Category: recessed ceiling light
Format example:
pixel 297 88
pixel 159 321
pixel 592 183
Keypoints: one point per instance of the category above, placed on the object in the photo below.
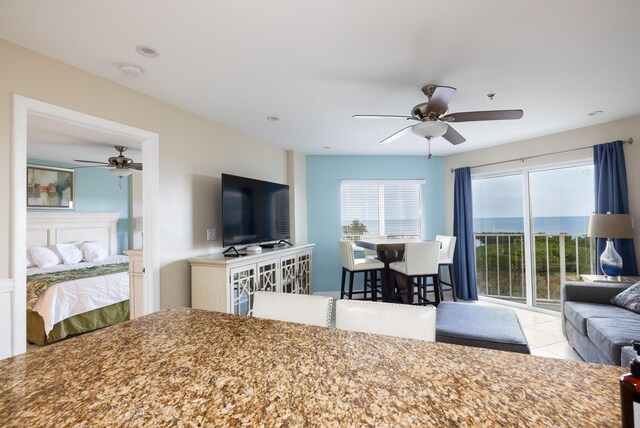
pixel 596 112
pixel 325 147
pixel 130 70
pixel 273 118
pixel 147 51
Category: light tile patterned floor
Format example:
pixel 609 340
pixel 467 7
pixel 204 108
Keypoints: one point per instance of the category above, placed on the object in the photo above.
pixel 544 334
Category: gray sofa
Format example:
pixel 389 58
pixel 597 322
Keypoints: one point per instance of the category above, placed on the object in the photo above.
pixel 598 330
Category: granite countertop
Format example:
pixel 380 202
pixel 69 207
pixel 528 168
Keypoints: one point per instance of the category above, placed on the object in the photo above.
pixel 188 367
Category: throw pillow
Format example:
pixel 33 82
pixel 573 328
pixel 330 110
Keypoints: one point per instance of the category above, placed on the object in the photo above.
pixel 629 298
pixel 94 252
pixel 30 262
pixel 70 253
pixel 44 257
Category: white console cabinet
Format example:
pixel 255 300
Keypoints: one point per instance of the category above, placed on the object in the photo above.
pixel 227 284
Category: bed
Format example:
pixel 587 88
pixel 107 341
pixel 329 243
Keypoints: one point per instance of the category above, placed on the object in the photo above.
pixel 69 299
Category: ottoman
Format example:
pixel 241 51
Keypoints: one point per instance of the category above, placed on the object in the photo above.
pixel 480 326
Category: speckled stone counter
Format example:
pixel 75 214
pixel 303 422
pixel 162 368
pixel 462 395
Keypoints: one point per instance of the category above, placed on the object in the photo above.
pixel 187 367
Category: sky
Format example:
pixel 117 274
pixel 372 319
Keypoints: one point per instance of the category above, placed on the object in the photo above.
pixel 553 193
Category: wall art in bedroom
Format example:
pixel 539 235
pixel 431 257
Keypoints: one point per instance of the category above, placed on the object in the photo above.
pixel 50 188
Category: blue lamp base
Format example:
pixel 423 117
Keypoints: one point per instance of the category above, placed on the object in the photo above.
pixel 610 261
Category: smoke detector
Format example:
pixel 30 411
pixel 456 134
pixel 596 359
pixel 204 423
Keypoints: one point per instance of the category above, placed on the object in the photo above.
pixel 130 70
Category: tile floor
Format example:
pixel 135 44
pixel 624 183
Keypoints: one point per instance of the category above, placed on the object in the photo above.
pixel 544 334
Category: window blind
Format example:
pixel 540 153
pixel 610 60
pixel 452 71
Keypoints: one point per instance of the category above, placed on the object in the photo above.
pixel 381 207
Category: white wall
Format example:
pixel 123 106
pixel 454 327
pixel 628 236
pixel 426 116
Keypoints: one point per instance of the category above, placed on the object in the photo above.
pixel 589 136
pixel 193 153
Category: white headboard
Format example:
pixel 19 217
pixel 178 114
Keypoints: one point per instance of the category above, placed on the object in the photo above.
pixel 50 228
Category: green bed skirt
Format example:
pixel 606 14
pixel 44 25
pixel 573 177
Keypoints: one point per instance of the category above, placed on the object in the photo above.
pixel 81 323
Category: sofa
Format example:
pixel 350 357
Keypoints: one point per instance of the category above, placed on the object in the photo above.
pixel 598 330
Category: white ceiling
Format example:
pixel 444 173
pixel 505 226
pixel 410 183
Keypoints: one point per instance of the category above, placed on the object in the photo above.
pixel 60 141
pixel 316 63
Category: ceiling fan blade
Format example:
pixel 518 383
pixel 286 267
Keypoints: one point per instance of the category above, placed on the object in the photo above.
pixel 88 161
pixel 136 166
pixel 475 116
pixel 440 99
pixel 453 136
pixel 397 135
pixel 382 116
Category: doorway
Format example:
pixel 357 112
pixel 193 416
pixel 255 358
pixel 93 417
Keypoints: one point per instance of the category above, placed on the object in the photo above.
pixel 530 231
pixel 22 108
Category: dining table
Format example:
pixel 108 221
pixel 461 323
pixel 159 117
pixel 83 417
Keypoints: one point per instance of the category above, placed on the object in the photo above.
pixel 191 367
pixel 389 250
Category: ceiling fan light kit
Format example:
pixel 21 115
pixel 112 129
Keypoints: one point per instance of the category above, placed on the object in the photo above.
pixel 433 117
pixel 121 172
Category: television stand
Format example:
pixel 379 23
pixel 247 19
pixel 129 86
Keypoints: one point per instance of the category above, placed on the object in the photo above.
pixel 279 244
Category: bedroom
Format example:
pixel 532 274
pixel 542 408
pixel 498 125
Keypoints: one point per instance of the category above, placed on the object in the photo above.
pixel 103 207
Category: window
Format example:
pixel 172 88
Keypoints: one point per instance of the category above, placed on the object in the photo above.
pixel 381 207
pixel 530 232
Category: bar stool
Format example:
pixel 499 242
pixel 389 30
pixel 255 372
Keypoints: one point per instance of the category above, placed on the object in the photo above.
pixel 447 248
pixel 369 267
pixel 420 263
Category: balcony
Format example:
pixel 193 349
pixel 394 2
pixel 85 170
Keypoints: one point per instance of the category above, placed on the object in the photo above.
pixel 500 265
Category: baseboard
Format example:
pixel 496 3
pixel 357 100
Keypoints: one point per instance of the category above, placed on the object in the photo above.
pixel 334 294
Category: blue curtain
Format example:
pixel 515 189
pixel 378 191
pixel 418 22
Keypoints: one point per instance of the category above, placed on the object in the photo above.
pixel 464 258
pixel 611 196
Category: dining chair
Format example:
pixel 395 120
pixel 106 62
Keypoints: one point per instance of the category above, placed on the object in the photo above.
pixel 420 264
pixel 297 308
pixel 445 259
pixel 370 268
pixel 367 252
pixel 389 319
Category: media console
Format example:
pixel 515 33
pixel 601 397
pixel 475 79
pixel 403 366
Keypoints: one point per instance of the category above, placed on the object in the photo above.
pixel 227 284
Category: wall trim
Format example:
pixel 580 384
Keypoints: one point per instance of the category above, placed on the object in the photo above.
pixel 6 286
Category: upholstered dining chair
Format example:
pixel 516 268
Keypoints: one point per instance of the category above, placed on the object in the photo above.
pixel 370 268
pixel 298 308
pixel 447 248
pixel 389 319
pixel 420 264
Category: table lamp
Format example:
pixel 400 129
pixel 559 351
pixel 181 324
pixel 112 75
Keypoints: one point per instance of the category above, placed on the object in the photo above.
pixel 610 226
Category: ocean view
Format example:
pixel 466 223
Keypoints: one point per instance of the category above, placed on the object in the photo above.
pixel 571 225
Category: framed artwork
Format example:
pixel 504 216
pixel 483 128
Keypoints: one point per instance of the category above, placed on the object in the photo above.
pixel 50 188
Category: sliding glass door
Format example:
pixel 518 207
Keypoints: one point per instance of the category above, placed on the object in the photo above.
pixel 530 230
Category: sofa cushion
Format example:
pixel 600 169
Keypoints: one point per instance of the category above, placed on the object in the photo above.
pixel 627 355
pixel 577 313
pixel 611 335
pixel 629 298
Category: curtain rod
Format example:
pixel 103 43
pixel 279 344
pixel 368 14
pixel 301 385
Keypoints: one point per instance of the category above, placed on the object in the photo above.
pixel 629 141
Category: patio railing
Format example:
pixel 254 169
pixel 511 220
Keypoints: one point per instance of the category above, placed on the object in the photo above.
pixel 500 265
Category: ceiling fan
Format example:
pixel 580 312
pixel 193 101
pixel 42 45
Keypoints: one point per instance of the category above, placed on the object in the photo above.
pixel 433 119
pixel 123 166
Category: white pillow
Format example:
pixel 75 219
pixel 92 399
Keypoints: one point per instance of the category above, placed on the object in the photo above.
pixel 70 253
pixel 44 257
pixel 94 251
pixel 30 262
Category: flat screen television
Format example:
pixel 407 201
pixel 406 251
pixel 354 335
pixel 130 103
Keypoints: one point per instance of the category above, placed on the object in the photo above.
pixel 253 211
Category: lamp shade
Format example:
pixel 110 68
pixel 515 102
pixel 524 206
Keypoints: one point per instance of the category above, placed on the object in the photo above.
pixel 121 172
pixel 611 226
pixel 430 129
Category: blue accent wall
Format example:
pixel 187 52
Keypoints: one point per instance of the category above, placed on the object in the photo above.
pixel 324 174
pixel 98 191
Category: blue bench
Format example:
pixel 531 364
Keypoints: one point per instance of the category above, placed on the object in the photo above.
pixel 480 326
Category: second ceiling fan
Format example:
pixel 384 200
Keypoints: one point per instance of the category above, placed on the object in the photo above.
pixel 432 118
